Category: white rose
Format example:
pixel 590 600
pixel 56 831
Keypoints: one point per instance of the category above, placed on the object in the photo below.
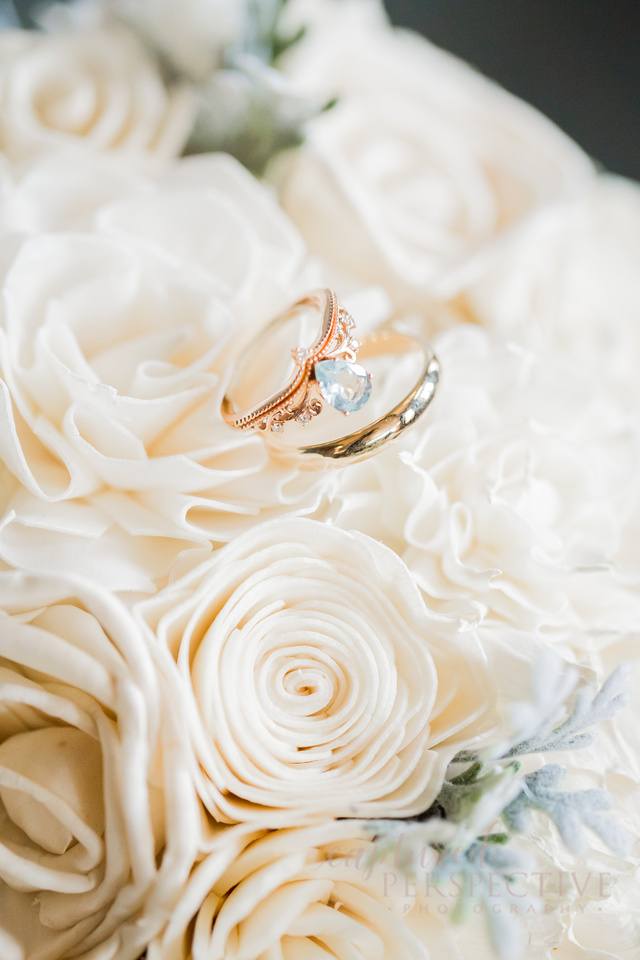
pixel 422 162
pixel 256 893
pixel 63 193
pixel 321 891
pixel 10 949
pixel 517 498
pixel 111 361
pixel 314 678
pixel 570 281
pixel 99 822
pixel 91 89
pixel 192 35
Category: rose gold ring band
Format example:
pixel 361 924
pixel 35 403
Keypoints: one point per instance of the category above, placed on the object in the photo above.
pixel 328 370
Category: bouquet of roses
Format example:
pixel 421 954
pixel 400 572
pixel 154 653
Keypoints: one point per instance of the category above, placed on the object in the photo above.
pixel 311 646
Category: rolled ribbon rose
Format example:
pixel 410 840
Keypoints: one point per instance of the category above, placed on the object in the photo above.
pixel 327 889
pixel 320 891
pixel 191 36
pixel 86 90
pixel 114 349
pixel 99 821
pixel 315 680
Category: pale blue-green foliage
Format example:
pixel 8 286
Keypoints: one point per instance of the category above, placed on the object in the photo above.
pixel 556 720
pixel 571 812
pixel 251 112
pixel 485 876
pixel 460 795
pixel 586 710
pixel 264 36
pixel 248 108
pixel 552 684
pixel 400 840
pixel 492 792
pixel 482 873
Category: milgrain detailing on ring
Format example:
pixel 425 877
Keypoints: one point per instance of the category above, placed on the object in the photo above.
pixel 327 367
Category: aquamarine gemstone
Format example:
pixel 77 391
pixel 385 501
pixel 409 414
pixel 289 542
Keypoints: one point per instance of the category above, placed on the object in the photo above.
pixel 346 386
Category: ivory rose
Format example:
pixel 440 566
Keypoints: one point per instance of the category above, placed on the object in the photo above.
pixel 517 498
pixel 314 678
pixel 99 822
pixel 88 89
pixel 320 891
pixel 113 366
pixel 192 35
pixel 326 886
pixel 422 162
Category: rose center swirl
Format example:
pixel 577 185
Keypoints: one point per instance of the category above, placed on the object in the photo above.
pixel 308 699
pixel 303 686
pixel 304 695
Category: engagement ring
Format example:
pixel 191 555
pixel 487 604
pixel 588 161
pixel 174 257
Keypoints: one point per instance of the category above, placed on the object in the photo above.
pixel 328 371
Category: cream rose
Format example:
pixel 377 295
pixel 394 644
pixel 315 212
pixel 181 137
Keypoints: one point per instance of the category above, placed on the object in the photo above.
pixel 10 949
pixel 314 678
pixel 569 281
pixel 112 368
pixel 516 499
pixel 328 887
pixel 322 891
pixel 192 35
pixel 89 89
pixel 422 162
pixel 99 822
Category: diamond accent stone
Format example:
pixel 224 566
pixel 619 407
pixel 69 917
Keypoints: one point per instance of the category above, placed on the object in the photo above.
pixel 300 354
pixel 346 386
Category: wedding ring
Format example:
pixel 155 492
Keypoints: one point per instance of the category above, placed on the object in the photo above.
pixel 328 371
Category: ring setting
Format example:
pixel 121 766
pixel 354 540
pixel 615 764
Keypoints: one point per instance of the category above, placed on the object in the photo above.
pixel 327 371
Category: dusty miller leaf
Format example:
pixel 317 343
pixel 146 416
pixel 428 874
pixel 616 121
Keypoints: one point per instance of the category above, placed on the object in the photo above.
pixel 483 875
pixel 570 811
pixel 460 797
pixel 586 710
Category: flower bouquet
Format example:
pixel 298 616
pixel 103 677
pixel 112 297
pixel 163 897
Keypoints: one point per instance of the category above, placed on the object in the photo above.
pixel 320 498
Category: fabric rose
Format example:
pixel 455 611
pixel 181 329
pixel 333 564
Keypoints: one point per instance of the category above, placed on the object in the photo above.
pixel 516 499
pixel 569 281
pixel 314 678
pixel 113 365
pixel 99 822
pixel 88 89
pixel 421 163
pixel 320 891
pixel 191 36
pixel 329 886
pixel 10 949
